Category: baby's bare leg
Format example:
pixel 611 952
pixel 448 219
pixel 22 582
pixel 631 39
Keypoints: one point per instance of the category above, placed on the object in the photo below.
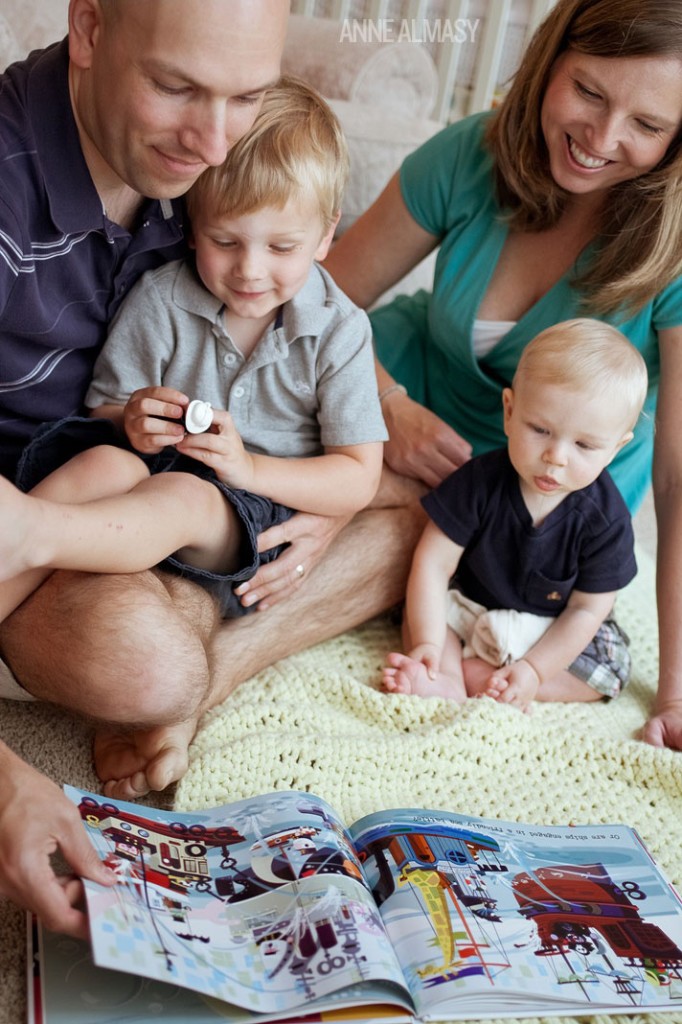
pixel 403 674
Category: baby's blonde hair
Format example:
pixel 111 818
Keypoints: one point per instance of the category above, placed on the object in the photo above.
pixel 591 356
pixel 295 149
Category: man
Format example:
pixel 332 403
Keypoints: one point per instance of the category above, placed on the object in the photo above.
pixel 146 97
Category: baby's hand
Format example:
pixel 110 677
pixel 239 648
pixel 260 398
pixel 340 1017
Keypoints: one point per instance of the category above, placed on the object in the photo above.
pixel 149 418
pixel 515 684
pixel 222 448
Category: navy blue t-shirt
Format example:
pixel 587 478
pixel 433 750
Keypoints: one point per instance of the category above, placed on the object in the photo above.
pixel 586 543
pixel 64 266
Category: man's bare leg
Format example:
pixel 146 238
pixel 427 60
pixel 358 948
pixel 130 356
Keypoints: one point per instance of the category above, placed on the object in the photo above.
pixel 363 573
pixel 124 651
pixel 138 657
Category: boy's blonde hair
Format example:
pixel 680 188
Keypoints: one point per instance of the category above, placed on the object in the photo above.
pixel 591 356
pixel 295 149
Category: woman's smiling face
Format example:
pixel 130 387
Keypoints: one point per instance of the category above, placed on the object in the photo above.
pixel 609 119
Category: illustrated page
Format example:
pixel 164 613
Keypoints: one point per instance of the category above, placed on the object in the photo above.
pixel 261 903
pixel 525 919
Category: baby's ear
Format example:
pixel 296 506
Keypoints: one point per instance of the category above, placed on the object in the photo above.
pixel 624 439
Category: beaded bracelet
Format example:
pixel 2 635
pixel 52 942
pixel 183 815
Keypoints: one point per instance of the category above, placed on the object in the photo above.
pixel 391 390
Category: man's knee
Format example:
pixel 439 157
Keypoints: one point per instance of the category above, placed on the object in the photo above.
pixel 112 648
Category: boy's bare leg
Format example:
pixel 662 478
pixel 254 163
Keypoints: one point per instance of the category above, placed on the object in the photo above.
pixel 120 533
pixel 132 650
pixel 96 473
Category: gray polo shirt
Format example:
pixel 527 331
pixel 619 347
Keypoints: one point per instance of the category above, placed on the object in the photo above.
pixel 308 384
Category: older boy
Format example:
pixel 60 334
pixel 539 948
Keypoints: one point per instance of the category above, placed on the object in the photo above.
pixel 537 538
pixel 251 323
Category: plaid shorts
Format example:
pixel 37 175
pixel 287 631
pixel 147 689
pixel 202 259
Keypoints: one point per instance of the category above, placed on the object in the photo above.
pixel 606 661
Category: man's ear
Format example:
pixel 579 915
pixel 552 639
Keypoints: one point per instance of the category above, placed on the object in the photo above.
pixel 507 407
pixel 85 20
pixel 327 239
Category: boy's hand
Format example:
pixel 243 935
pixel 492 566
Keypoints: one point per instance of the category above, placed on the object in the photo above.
pixel 515 684
pixel 148 418
pixel 222 448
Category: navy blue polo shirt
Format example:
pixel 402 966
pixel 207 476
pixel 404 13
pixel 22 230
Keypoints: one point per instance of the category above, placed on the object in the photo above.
pixel 586 543
pixel 64 266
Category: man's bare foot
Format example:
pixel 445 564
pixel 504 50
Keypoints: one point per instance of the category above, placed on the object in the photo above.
pixel 132 764
pixel 405 675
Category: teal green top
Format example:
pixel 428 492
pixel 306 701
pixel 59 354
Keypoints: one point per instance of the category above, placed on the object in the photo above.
pixel 424 340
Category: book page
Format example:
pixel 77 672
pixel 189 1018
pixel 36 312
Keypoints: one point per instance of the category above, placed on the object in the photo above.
pixel 493 918
pixel 261 903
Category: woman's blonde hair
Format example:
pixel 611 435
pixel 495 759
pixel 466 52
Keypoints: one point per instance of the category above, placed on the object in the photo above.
pixel 591 356
pixel 639 248
pixel 295 148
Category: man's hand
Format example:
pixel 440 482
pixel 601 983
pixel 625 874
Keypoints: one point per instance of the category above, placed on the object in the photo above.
pixel 148 418
pixel 421 445
pixel 664 728
pixel 36 819
pixel 309 536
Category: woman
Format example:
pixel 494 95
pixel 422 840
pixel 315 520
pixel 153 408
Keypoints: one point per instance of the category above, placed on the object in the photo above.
pixel 566 201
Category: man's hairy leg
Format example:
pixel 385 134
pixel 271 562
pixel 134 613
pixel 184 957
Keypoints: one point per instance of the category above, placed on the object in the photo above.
pixel 363 573
pixel 125 651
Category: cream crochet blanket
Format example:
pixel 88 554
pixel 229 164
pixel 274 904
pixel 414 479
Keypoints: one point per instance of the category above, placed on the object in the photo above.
pixel 317 721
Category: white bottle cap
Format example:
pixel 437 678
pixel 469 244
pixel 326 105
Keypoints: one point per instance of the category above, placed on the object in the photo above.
pixel 198 416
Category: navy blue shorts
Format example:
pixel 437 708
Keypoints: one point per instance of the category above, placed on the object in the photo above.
pixel 56 443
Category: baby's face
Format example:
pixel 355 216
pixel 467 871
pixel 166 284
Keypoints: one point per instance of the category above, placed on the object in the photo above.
pixel 561 439
pixel 254 262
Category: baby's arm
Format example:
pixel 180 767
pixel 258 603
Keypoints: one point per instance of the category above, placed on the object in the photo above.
pixel 339 482
pixel 432 666
pixel 543 665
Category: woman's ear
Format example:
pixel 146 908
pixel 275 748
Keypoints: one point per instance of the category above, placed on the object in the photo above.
pixel 85 19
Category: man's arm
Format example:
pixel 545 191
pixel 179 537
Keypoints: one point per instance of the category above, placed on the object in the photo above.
pixel 36 819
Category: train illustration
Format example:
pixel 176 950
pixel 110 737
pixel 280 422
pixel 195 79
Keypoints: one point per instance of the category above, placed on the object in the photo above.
pixel 569 904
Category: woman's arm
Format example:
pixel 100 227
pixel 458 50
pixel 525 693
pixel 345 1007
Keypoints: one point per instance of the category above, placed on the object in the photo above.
pixel 664 727
pixel 383 245
pixel 374 254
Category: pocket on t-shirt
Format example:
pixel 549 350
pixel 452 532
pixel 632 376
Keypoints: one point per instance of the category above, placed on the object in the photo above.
pixel 547 594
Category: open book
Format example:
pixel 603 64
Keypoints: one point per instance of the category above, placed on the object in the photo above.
pixel 271 906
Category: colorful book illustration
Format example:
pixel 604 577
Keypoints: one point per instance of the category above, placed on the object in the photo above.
pixel 269 909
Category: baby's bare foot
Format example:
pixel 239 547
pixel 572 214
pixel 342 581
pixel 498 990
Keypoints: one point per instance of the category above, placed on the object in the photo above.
pixel 406 675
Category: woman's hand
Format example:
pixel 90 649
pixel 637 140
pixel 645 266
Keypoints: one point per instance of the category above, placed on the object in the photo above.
pixel 420 444
pixel 664 728
pixel 308 537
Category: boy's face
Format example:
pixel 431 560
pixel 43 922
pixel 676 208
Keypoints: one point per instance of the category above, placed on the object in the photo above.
pixel 256 261
pixel 560 438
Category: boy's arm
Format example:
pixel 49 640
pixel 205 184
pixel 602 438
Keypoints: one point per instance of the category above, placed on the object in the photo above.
pixel 570 634
pixel 435 559
pixel 339 482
